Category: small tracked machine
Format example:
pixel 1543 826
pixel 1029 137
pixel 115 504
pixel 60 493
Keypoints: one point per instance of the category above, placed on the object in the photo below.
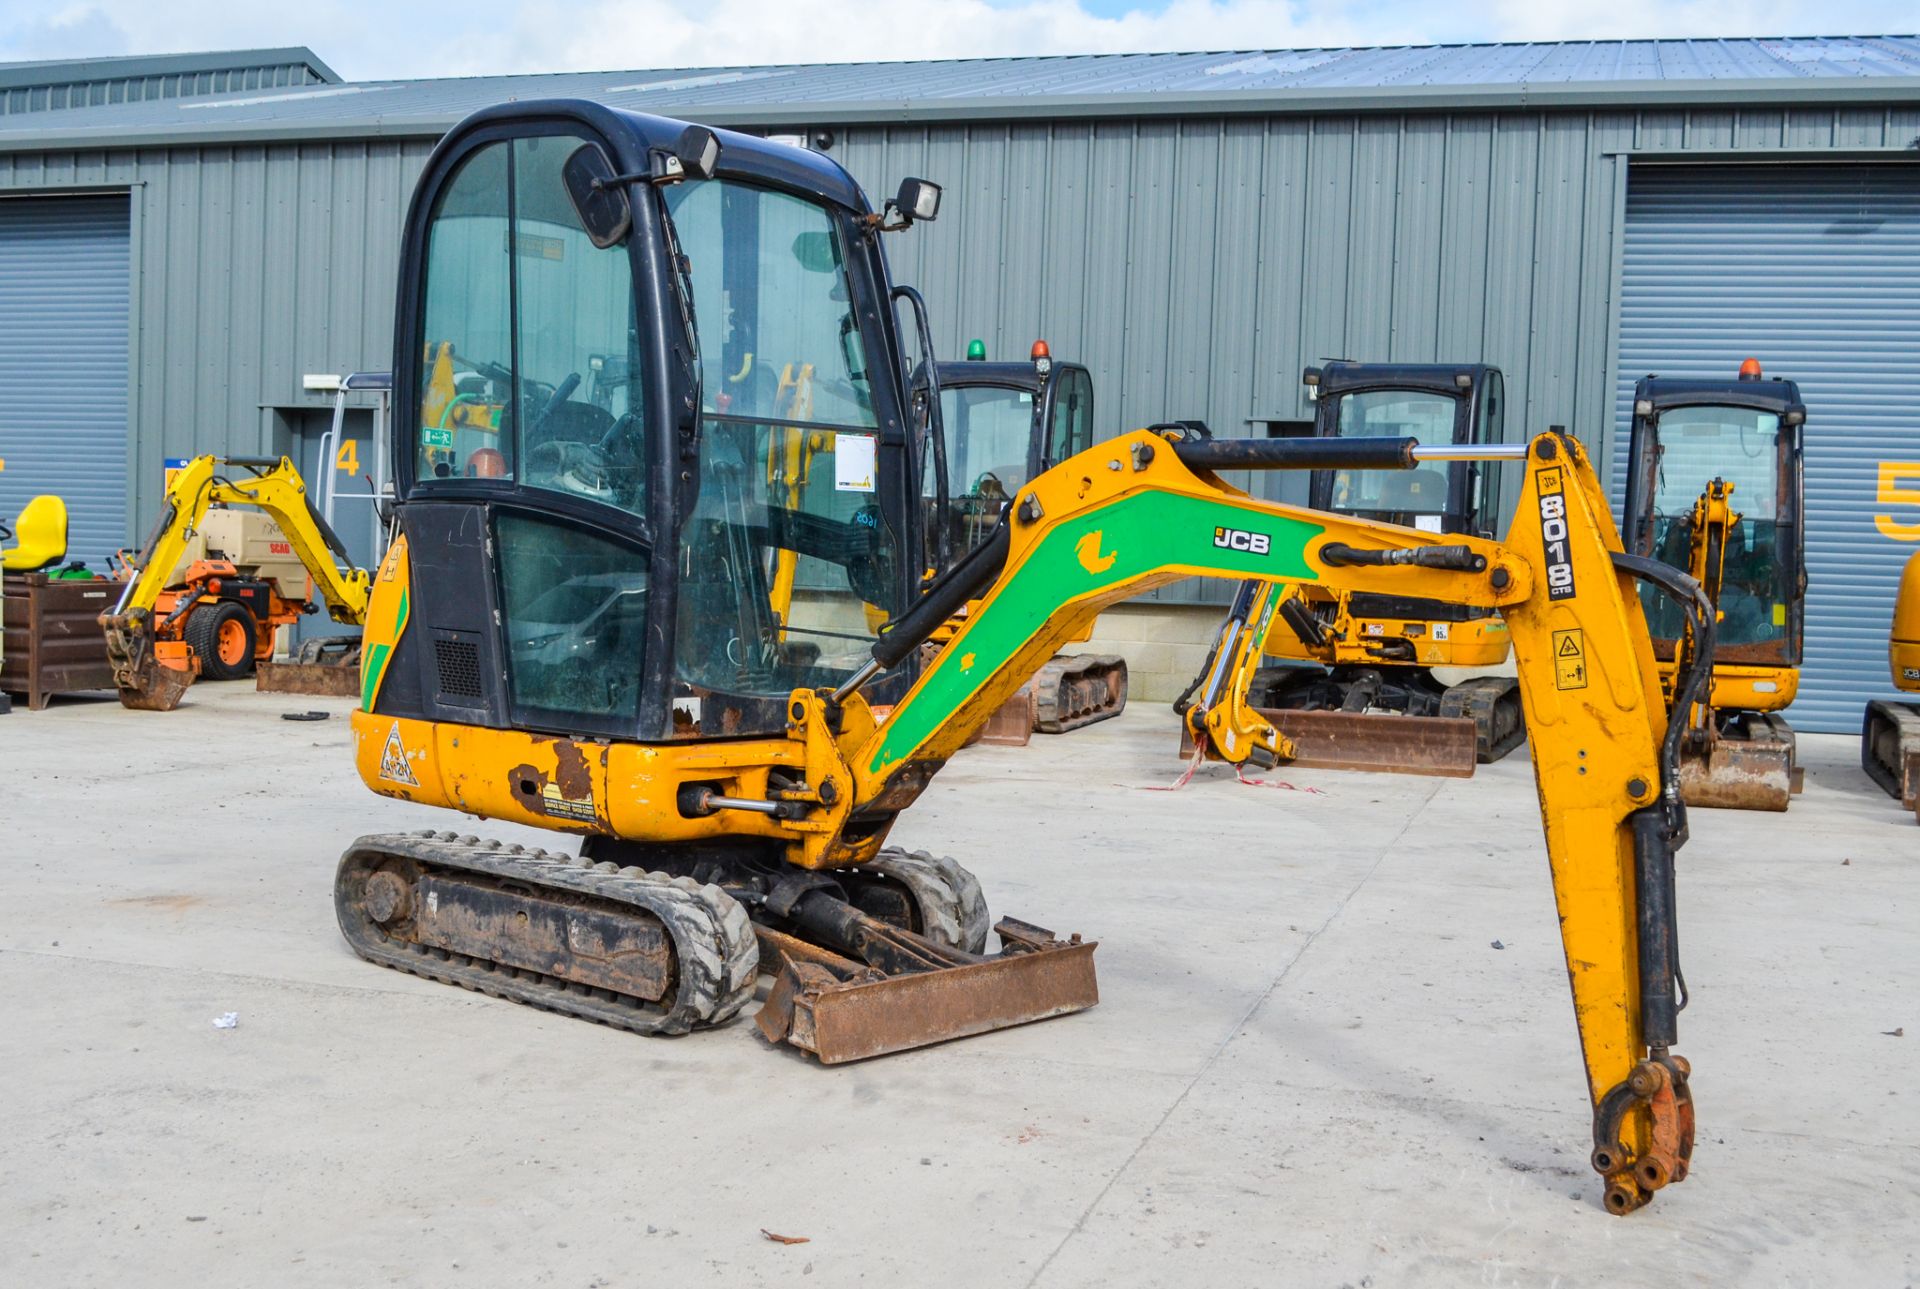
pixel 574 626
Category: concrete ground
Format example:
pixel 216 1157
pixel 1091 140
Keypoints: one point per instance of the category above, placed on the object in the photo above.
pixel 1312 1064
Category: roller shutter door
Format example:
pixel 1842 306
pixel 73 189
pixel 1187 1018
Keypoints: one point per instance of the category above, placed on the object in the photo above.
pixel 1814 270
pixel 63 364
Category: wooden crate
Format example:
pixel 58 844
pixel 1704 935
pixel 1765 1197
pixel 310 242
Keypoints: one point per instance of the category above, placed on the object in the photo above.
pixel 53 643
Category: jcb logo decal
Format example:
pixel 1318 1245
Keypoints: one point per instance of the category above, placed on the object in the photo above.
pixel 1239 539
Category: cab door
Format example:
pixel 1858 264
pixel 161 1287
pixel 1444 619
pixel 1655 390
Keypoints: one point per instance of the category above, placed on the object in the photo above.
pixel 1066 416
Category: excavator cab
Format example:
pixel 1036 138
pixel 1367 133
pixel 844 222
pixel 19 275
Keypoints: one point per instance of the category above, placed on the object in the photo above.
pixel 1714 487
pixel 1326 677
pixel 999 426
pixel 688 478
pixel 1003 423
pixel 1438 404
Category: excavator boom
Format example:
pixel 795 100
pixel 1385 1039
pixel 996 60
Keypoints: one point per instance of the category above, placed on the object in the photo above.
pixel 152 674
pixel 1138 511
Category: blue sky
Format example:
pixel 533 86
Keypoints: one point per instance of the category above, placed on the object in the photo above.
pixel 365 39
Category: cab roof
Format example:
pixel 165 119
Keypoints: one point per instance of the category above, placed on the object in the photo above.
pixel 1768 395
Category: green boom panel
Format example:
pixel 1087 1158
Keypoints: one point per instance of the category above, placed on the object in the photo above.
pixel 1128 538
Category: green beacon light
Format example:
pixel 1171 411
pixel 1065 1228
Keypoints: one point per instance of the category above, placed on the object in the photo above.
pixel 976 351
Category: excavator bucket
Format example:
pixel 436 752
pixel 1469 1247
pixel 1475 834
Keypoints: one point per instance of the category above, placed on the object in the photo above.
pixel 842 1010
pixel 1745 767
pixel 1890 750
pixel 150 677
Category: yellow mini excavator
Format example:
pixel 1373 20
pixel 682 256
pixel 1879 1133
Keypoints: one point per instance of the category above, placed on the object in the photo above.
pixel 179 617
pixel 1890 737
pixel 607 666
pixel 1714 490
pixel 1321 676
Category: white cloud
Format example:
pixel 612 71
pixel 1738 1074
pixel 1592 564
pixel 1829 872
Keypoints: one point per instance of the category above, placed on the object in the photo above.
pixel 364 39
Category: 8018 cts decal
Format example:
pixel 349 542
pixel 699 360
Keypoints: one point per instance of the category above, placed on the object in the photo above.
pixel 1553 534
pixel 1239 539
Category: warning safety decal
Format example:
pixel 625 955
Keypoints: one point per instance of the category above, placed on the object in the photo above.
pixel 393 760
pixel 1570 659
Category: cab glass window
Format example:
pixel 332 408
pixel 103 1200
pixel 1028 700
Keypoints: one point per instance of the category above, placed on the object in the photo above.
pixel 531 368
pixel 987 430
pixel 788 563
pixel 1742 446
pixel 576 610
pixel 1416 498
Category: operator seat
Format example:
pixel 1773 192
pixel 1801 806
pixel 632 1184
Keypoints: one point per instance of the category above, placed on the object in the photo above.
pixel 40 535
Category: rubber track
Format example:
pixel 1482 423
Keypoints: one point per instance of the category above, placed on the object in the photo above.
pixel 952 909
pixel 1486 700
pixel 1052 714
pixel 716 955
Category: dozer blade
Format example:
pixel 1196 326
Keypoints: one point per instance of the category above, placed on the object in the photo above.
pixel 1078 689
pixel 841 1010
pixel 1890 750
pixel 323 679
pixel 1747 768
pixel 1446 746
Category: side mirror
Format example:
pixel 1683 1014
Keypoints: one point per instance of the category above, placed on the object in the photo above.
pixel 917 200
pixel 598 194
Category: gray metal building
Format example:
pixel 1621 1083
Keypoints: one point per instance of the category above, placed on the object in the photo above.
pixel 184 239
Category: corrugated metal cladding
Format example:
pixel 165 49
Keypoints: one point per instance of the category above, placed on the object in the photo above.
pixel 1815 270
pixel 97 91
pixel 256 265
pixel 63 364
pixel 1196 266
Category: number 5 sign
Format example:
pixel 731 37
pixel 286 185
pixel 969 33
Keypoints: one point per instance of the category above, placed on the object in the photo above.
pixel 1899 486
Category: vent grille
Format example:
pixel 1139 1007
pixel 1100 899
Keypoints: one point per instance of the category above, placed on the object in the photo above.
pixel 458 663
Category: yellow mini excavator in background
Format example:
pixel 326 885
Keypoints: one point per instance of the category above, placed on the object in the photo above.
pixel 1714 490
pixel 607 666
pixel 1318 676
pixel 178 618
pixel 1890 737
pixel 1000 425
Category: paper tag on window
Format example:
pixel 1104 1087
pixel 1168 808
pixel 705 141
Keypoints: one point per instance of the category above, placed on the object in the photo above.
pixel 853 462
pixel 1427 523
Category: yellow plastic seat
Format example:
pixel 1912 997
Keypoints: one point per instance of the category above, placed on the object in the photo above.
pixel 40 536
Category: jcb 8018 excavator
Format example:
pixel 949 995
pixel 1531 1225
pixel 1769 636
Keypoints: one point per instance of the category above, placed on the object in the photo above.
pixel 608 665
pixel 1000 425
pixel 1714 490
pixel 219 621
pixel 1354 686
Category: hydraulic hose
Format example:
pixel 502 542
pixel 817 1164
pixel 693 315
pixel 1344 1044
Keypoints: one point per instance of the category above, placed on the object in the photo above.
pixel 965 580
